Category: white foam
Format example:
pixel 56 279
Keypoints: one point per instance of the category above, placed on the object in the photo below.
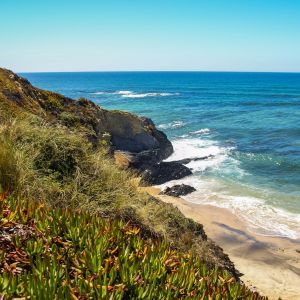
pixel 193 148
pixel 263 218
pixel 144 95
pixel 131 94
pixel 199 148
pixel 123 92
pixel 172 125
pixel 214 156
pixel 209 163
pixel 201 131
pixel 99 93
pixel 260 216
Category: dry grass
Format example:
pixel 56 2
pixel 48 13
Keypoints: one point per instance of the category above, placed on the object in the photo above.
pixel 51 163
pixel 9 173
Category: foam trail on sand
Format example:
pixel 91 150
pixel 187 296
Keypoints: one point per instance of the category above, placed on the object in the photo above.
pixel 259 216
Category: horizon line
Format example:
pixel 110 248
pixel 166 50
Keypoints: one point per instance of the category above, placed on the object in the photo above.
pixel 157 71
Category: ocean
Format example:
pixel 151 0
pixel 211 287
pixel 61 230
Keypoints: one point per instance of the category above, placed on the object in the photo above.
pixel 248 123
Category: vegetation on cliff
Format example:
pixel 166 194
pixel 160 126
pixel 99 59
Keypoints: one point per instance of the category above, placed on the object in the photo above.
pixel 55 152
pixel 59 254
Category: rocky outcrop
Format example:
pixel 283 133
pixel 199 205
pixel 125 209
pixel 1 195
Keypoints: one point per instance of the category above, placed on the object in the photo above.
pixel 138 136
pixel 128 132
pixel 186 161
pixel 178 190
pixel 164 172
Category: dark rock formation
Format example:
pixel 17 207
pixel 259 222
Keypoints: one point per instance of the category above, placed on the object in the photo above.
pixel 164 172
pixel 186 161
pixel 130 133
pixel 178 190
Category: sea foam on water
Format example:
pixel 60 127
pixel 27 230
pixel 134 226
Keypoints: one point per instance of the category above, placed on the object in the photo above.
pixel 259 216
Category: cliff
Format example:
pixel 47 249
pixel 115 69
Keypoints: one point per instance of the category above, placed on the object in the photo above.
pixel 54 149
pixel 127 132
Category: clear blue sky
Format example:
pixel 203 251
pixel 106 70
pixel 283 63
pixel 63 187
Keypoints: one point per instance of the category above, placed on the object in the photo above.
pixel 207 35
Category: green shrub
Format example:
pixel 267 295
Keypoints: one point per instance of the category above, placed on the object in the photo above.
pixel 53 101
pixel 69 119
pixel 59 157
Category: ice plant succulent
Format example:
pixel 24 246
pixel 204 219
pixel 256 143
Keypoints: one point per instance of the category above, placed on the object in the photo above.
pixel 62 254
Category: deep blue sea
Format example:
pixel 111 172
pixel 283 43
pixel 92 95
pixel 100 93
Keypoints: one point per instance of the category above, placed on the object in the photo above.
pixel 248 122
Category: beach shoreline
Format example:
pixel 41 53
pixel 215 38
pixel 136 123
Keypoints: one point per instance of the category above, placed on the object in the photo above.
pixel 271 265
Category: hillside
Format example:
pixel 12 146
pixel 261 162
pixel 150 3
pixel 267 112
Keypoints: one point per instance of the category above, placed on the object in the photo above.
pixel 58 152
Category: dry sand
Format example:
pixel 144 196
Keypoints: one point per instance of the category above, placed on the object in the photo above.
pixel 271 265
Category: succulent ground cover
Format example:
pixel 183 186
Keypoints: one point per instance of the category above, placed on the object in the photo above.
pixel 63 254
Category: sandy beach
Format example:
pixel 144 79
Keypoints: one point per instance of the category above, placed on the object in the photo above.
pixel 271 265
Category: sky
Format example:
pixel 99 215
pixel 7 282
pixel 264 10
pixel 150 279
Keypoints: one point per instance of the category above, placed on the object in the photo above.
pixel 137 35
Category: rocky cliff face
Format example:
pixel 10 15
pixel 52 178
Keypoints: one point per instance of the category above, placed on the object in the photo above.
pixel 125 131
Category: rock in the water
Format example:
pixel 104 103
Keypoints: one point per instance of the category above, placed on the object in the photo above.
pixel 164 172
pixel 186 161
pixel 178 190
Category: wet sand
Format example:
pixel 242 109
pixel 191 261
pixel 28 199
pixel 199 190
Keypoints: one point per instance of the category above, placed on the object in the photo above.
pixel 271 265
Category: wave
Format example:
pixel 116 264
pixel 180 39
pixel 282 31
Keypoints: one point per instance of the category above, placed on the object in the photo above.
pixel 195 148
pixel 123 92
pixel 261 217
pixel 172 125
pixel 113 93
pixel 131 94
pixel 144 95
pixel 201 131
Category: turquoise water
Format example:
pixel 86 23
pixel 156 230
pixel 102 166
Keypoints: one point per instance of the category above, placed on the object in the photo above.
pixel 249 122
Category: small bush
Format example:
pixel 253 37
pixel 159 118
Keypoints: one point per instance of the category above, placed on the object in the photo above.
pixel 69 119
pixel 59 157
pixel 9 173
